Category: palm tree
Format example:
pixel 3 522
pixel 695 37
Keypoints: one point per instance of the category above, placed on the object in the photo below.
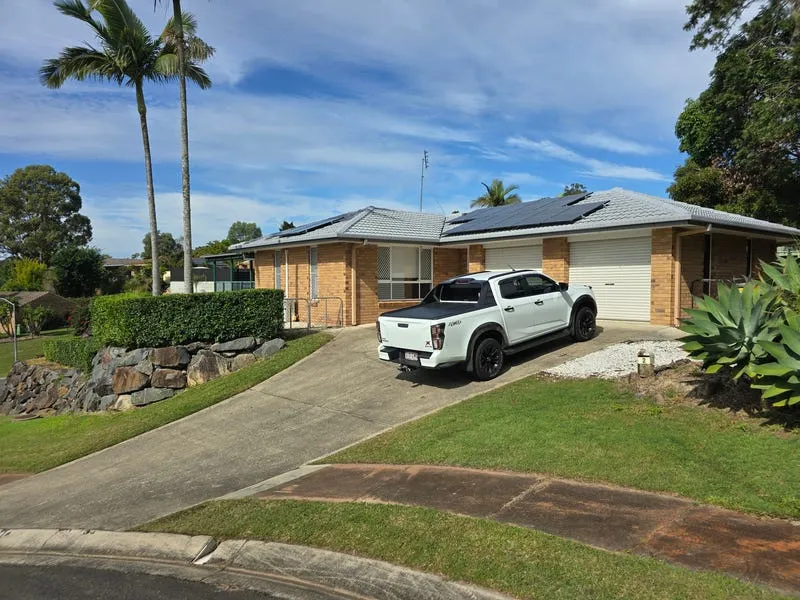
pixel 128 55
pixel 497 195
pixel 180 36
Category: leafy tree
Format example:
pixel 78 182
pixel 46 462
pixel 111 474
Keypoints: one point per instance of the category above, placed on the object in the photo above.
pixel 212 247
pixel 180 39
pixel 170 250
pixel 78 271
pixel 497 195
pixel 574 188
pixel 286 225
pixel 243 232
pixel 742 134
pixel 35 317
pixel 40 213
pixel 27 275
pixel 128 54
pixel 6 312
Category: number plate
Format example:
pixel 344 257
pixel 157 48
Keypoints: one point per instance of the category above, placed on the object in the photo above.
pixel 411 355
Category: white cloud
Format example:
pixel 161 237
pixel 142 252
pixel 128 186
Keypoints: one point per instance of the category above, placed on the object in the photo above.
pixel 594 167
pixel 606 141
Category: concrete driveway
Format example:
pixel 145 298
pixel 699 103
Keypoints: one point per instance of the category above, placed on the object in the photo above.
pixel 337 396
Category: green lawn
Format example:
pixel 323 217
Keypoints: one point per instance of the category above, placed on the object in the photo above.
pixel 26 349
pixel 41 444
pixel 522 562
pixel 593 430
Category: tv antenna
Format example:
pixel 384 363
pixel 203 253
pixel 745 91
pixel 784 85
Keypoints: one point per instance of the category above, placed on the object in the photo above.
pixel 425 165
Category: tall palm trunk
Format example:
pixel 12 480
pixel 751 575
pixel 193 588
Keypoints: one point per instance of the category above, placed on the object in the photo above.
pixel 187 203
pixel 151 195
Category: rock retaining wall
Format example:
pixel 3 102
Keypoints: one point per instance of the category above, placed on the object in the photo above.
pixel 124 379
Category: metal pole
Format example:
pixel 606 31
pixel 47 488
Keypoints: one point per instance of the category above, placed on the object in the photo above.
pixel 14 323
pixel 422 176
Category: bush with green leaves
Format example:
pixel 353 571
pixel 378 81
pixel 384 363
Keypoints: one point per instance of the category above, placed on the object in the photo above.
pixel 784 278
pixel 35 317
pixel 80 318
pixel 137 321
pixel 778 376
pixel 725 333
pixel 72 352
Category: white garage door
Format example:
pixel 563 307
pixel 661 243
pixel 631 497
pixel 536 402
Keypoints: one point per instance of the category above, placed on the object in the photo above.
pixel 517 257
pixel 619 273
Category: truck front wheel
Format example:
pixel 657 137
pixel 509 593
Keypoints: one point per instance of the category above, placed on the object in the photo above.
pixel 583 324
pixel 488 359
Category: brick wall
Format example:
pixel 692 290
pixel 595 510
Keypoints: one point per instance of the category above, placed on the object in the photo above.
pixel 765 250
pixel 692 257
pixel 662 275
pixel 449 262
pixel 366 284
pixel 477 259
pixel 728 256
pixel 555 258
pixel 264 269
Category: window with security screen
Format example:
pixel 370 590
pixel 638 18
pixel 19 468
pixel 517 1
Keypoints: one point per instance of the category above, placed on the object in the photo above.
pixel 404 272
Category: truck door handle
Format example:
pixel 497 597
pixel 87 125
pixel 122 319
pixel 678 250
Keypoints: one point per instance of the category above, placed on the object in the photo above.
pixel 539 302
pixel 509 309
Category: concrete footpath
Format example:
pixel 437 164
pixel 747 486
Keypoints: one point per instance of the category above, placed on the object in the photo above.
pixel 279 570
pixel 337 396
pixel 674 529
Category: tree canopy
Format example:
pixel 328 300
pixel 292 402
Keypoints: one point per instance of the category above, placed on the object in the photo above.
pixel 286 225
pixel 26 275
pixel 240 231
pixel 574 188
pixel 78 271
pixel 742 134
pixel 170 250
pixel 40 213
pixel 212 247
pixel 497 195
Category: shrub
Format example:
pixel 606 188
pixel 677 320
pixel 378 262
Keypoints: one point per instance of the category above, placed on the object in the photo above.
pixel 141 321
pixel 80 317
pixel 35 317
pixel 73 352
pixel 724 333
pixel 779 378
pixel 6 312
pixel 26 274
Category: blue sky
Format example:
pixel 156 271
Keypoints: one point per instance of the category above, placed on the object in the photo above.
pixel 320 107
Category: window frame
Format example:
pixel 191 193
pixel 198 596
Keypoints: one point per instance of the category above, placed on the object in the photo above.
pixel 418 282
pixel 313 272
pixel 276 267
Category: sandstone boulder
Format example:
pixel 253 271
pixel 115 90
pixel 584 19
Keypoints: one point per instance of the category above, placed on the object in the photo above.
pixel 269 348
pixel 240 361
pixel 123 403
pixel 170 356
pixel 168 378
pixel 244 344
pixel 127 379
pixel 150 395
pixel 206 366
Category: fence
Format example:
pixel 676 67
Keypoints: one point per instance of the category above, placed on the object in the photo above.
pixel 233 286
pixel 326 311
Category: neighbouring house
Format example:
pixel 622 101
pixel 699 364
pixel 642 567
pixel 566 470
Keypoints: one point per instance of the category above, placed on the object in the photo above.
pixel 60 306
pixel 215 273
pixel 128 264
pixel 644 256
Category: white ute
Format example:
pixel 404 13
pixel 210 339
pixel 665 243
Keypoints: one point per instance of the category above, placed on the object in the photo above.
pixel 476 320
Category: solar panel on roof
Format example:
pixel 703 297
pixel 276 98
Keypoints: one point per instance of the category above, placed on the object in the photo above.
pixel 301 229
pixel 547 211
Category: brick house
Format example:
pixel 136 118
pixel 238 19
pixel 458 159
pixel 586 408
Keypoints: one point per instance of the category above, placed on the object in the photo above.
pixel 644 256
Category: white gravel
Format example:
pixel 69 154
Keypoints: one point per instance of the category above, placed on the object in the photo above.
pixel 619 360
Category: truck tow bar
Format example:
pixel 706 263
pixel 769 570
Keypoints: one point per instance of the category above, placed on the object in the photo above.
pixel 407 369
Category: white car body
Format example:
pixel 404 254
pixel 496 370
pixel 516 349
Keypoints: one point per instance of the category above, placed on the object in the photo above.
pixel 518 308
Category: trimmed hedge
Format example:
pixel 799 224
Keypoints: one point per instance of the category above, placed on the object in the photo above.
pixel 75 352
pixel 136 321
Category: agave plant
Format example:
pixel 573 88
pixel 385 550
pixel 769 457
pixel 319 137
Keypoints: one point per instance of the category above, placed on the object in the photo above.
pixel 779 379
pixel 784 277
pixel 727 332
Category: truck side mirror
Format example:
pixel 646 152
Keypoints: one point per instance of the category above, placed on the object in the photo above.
pixel 563 286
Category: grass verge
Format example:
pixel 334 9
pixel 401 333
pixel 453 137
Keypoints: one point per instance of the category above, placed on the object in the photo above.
pixel 596 431
pixel 521 562
pixel 41 444
pixel 27 349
